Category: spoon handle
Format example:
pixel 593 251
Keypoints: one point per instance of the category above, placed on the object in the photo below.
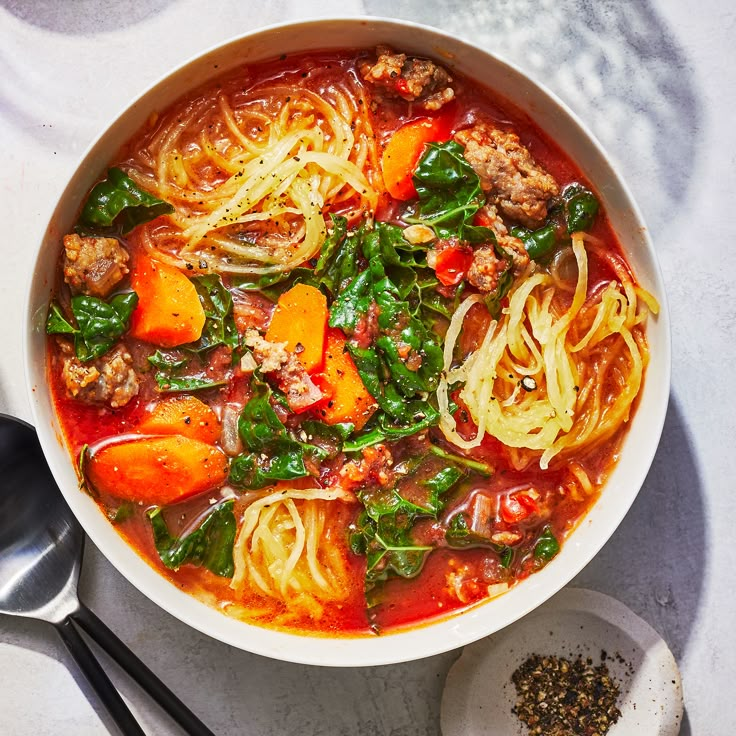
pixel 97 678
pixel 139 672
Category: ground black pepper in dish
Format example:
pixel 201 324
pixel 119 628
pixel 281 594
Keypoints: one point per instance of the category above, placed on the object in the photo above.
pixel 559 697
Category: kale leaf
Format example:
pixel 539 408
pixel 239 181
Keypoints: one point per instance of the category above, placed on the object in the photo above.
pixel 381 428
pixel 581 207
pixel 405 358
pixel 575 211
pixel 272 453
pixel 119 201
pixel 338 261
pixel 99 323
pixel 210 545
pixel 383 531
pixel 449 194
pixel 219 326
pixel 169 376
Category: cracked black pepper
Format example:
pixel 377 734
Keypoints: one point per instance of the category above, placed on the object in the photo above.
pixel 559 697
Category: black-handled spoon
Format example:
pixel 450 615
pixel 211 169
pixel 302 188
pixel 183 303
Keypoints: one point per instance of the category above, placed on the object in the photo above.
pixel 41 546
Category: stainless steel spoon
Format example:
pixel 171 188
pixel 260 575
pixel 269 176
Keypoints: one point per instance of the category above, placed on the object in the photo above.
pixel 41 547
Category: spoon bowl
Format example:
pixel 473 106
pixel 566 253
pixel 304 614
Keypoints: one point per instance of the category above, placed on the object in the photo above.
pixel 41 546
pixel 40 540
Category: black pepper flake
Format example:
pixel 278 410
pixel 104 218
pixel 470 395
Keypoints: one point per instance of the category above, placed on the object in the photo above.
pixel 559 697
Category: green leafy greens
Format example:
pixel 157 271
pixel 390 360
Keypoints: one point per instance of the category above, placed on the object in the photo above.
pixel 450 194
pixel 405 358
pixel 272 452
pixel 210 545
pixel 219 326
pixel 574 212
pixel 547 545
pixel 383 531
pixel 581 207
pixel 119 201
pixel 99 323
pixel 170 377
pixel 337 264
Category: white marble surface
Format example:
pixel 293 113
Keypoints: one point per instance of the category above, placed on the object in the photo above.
pixel 655 82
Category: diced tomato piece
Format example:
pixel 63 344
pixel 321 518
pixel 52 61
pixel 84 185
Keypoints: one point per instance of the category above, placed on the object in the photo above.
pixel 402 86
pixel 528 500
pixel 452 264
pixel 516 507
pixel 481 219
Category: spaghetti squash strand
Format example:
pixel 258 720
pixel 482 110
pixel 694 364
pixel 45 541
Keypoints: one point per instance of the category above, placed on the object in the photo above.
pixel 545 336
pixel 278 549
pixel 282 152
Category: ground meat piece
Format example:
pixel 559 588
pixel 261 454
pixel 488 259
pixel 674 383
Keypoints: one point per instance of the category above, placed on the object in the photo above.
pixel 514 247
pixel 374 468
pixel 290 375
pixel 509 175
pixel 109 379
pixel 270 356
pixel 410 79
pixel 301 392
pixel 485 269
pixel 94 266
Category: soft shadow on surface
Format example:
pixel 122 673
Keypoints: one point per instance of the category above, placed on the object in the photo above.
pixel 83 16
pixel 653 564
pixel 655 561
pixel 260 695
pixel 616 64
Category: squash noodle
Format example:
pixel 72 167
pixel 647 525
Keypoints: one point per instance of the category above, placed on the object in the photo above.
pixel 283 550
pixel 251 174
pixel 581 357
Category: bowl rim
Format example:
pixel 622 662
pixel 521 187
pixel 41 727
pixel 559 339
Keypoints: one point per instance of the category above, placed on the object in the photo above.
pixel 430 638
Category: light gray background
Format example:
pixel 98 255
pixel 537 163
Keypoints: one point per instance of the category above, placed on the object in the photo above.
pixel 654 80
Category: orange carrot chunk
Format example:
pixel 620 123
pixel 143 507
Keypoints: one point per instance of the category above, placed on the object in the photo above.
pixel 403 151
pixel 346 397
pixel 157 470
pixel 300 320
pixel 184 415
pixel 169 312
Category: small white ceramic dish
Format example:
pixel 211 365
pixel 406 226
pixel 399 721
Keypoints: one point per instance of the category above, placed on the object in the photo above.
pixel 563 127
pixel 479 693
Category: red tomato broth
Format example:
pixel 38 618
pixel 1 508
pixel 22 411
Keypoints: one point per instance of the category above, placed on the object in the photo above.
pixel 403 602
pixel 346 618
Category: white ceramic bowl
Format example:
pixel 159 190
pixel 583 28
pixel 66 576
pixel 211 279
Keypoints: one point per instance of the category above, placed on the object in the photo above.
pixel 641 442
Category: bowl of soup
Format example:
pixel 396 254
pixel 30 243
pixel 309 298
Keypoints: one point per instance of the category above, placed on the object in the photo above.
pixel 346 343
